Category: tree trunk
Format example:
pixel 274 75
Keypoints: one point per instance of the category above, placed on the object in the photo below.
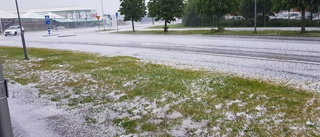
pixel 165 26
pixel 303 20
pixel 220 28
pixel 133 26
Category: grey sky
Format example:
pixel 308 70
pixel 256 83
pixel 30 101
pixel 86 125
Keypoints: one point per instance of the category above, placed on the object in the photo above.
pixel 110 6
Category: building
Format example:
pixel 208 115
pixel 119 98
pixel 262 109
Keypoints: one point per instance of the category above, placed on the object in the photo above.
pixel 34 19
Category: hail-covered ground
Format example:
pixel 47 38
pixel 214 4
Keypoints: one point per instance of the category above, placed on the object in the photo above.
pixel 291 62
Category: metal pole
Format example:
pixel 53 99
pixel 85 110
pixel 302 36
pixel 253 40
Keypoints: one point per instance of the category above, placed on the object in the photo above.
pixel 104 27
pixel 5 122
pixel 22 35
pixel 0 23
pixel 255 16
pixel 318 15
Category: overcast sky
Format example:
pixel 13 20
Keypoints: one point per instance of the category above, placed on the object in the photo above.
pixel 110 6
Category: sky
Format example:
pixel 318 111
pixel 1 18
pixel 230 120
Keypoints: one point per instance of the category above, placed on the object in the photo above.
pixel 109 6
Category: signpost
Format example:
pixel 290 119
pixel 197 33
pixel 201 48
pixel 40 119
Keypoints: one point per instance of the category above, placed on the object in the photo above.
pixel 98 18
pixel 5 122
pixel 48 23
pixel 117 16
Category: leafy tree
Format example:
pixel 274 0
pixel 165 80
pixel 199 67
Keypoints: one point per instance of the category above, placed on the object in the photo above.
pixel 218 8
pixel 302 5
pixel 167 10
pixel 263 7
pixel 133 10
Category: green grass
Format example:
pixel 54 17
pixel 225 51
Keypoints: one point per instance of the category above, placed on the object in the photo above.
pixel 156 98
pixel 227 32
pixel 179 25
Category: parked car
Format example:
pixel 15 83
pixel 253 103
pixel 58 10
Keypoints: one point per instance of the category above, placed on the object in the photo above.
pixel 234 18
pixel 285 15
pixel 316 18
pixel 13 30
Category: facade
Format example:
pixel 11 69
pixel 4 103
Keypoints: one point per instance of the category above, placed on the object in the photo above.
pixel 67 17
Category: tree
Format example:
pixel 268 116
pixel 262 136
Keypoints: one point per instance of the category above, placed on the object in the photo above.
pixel 302 5
pixel 133 10
pixel 263 8
pixel 218 8
pixel 167 10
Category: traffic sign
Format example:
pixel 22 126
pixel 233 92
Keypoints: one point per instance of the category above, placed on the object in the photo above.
pixel 47 17
pixel 49 31
pixel 47 22
pixel 117 14
pixel 98 17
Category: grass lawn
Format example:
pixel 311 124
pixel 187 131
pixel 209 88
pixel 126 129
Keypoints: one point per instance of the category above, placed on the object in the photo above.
pixel 228 32
pixel 179 25
pixel 151 99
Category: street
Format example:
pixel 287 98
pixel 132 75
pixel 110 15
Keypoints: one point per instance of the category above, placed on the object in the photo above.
pixel 291 61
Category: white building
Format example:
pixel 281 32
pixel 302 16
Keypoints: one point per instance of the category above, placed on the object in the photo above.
pixel 34 19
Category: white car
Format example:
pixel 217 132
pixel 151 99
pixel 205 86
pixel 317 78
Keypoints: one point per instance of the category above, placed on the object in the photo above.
pixel 285 15
pixel 13 30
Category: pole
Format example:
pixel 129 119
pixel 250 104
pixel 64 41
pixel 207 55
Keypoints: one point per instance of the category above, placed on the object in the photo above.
pixel 104 27
pixel 0 23
pixel 22 35
pixel 255 16
pixel 117 17
pixel 5 122
pixel 318 15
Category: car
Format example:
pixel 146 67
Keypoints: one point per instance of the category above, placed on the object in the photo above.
pixel 234 18
pixel 13 30
pixel 285 15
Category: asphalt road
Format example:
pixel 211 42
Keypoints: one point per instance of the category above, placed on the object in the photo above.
pixel 293 60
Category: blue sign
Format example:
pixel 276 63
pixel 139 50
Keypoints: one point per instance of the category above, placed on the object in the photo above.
pixel 47 22
pixel 47 17
pixel 49 31
pixel 117 14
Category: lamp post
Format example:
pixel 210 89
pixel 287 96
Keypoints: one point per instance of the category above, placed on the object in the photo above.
pixel 0 23
pixel 255 16
pixel 22 34
pixel 318 15
pixel 104 27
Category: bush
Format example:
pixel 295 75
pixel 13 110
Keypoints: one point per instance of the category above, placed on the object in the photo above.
pixel 205 21
pixel 291 23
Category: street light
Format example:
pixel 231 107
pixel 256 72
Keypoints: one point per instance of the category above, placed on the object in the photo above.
pixel 255 16
pixel 0 23
pixel 104 27
pixel 22 34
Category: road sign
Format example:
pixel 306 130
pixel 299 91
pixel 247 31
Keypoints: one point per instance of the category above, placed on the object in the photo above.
pixel 98 17
pixel 47 22
pixel 117 14
pixel 49 31
pixel 47 17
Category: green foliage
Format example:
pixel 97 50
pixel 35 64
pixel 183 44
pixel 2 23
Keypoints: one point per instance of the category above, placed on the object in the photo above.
pixel 279 5
pixel 218 7
pixel 134 10
pixel 167 10
pixel 302 5
pixel 264 7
